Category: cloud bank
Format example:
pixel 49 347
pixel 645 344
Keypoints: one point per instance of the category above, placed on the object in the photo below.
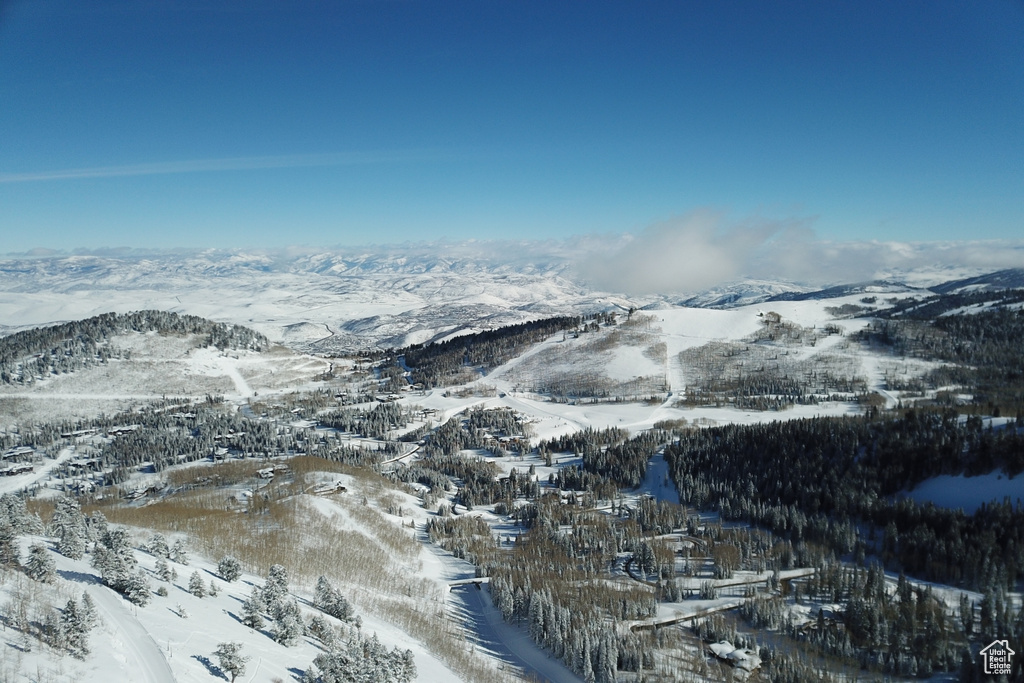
pixel 702 250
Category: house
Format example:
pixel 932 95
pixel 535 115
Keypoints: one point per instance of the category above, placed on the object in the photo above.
pixel 118 431
pixel 740 658
pixel 18 452
pixel 79 432
pixel 998 657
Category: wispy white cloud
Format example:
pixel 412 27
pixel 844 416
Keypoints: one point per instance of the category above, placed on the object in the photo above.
pixel 685 254
pixel 225 164
pixel 702 250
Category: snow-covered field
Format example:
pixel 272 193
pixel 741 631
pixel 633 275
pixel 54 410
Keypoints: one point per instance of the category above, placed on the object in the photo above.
pixel 968 493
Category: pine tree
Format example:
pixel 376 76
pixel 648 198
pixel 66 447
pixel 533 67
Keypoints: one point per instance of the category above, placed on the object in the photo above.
pixel 196 586
pixel 229 569
pixel 288 626
pixel 114 557
pixel 322 631
pixel 179 553
pixel 330 601
pixel 72 541
pixel 407 667
pixel 231 659
pixel 96 526
pixel 136 589
pixel 40 565
pixel 8 545
pixel 13 510
pixel 276 587
pixel 252 610
pixel 76 622
pixel 53 630
pixel 88 611
pixel 157 546
pixel 163 570
pixel 68 525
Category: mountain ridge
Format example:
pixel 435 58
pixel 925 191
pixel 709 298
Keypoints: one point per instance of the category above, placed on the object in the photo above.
pixel 367 297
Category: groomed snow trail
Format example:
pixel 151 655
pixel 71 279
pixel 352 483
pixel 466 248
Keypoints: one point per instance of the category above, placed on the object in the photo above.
pixel 241 386
pixel 508 642
pixel 484 624
pixel 140 658
pixel 143 659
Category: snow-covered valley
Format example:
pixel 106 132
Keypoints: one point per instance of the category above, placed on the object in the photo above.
pixel 313 456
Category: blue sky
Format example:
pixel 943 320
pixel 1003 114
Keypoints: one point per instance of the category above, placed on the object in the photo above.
pixel 225 124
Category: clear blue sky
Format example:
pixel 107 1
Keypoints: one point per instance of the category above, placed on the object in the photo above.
pixel 222 123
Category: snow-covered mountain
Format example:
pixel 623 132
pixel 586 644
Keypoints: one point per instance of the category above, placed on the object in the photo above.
pixel 317 301
pixel 343 300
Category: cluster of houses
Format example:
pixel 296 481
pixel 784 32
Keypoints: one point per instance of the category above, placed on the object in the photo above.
pixel 510 444
pixel 18 466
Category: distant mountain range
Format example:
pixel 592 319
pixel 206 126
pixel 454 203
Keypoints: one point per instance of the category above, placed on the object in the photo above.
pixel 1011 278
pixel 348 299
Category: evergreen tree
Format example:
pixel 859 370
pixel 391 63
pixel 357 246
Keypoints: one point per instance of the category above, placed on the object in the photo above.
pixel 322 631
pixel 252 610
pixel 13 510
pixel 157 546
pixel 364 660
pixel 136 589
pixel 231 659
pixel 96 526
pixel 68 525
pixel 196 586
pixel 8 545
pixel 114 557
pixel 40 565
pixel 163 570
pixel 229 569
pixel 288 626
pixel 76 622
pixel 179 553
pixel 88 610
pixel 276 587
pixel 53 632
pixel 330 601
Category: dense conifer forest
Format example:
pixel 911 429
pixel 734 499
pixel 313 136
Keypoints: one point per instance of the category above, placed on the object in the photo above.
pixel 835 482
pixel 444 364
